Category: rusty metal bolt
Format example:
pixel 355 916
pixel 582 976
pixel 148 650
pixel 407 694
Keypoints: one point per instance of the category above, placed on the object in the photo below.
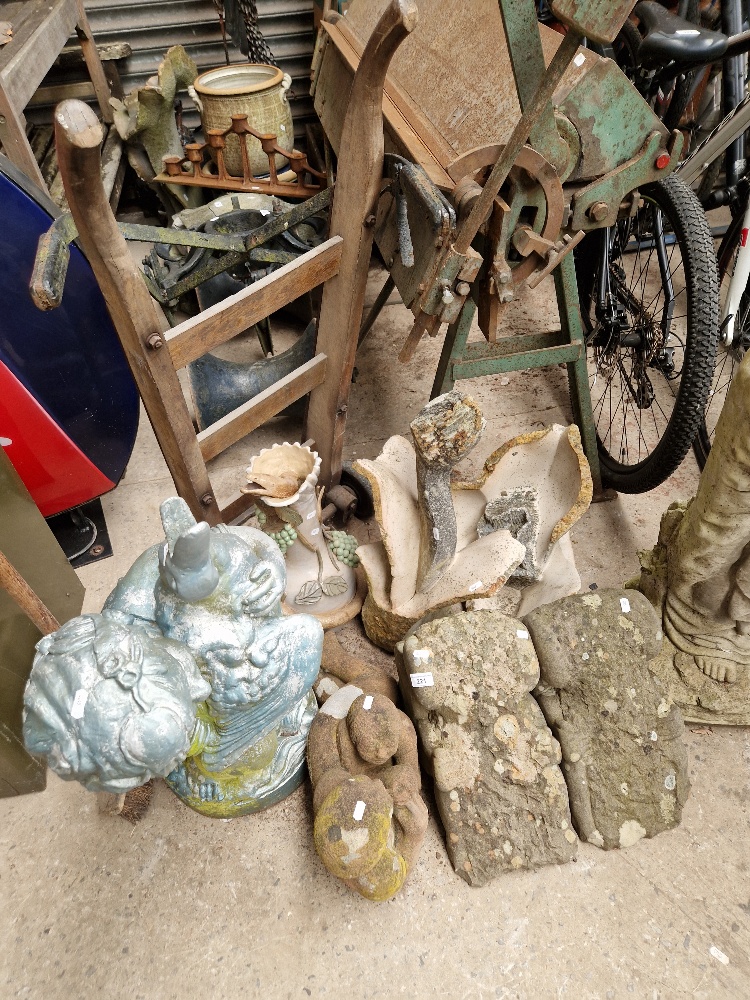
pixel 96 550
pixel 155 342
pixel 503 277
pixel 207 499
pixel 506 297
pixel 463 288
pixel 598 211
pixel 370 221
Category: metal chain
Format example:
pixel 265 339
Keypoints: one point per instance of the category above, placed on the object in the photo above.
pixel 258 50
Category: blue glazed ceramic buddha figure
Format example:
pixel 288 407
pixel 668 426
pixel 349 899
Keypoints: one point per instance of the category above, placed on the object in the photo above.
pixel 215 595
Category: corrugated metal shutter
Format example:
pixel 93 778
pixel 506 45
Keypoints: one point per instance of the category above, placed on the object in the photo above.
pixel 150 27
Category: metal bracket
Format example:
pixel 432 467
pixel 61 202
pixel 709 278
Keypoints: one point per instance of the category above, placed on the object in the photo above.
pixel 53 254
pixel 598 204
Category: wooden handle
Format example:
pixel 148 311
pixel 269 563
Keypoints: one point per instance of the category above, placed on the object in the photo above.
pixel 14 584
pixel 358 182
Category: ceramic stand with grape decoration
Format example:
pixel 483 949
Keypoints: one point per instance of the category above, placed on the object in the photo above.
pixel 321 563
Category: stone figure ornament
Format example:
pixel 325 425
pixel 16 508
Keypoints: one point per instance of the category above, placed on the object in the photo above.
pixel 370 819
pixel 698 576
pixel 207 683
pixel 446 541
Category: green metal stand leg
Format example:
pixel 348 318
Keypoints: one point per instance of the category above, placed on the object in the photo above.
pixel 453 349
pixel 566 286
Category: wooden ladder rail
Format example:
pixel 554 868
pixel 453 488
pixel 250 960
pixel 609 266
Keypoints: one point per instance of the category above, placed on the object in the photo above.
pixel 78 135
pixel 42 30
pixel 358 184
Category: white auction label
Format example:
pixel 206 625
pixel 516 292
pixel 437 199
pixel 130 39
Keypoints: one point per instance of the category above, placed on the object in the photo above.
pixel 359 810
pixel 79 703
pixel 522 633
pixel 423 680
pixel 367 704
pixel 475 586
pixel 625 605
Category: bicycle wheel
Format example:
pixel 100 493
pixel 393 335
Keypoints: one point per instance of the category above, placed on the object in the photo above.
pixel 649 301
pixel 728 356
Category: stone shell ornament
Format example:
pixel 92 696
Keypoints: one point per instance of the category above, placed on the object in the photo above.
pixel 446 541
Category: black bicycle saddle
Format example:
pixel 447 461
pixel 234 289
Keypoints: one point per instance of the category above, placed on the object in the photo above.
pixel 669 38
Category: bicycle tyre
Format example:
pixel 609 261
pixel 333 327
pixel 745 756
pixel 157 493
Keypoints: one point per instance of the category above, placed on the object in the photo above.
pixel 726 361
pixel 690 336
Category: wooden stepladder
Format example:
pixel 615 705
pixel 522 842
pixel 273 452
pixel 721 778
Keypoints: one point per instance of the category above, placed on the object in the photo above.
pixel 40 31
pixel 154 356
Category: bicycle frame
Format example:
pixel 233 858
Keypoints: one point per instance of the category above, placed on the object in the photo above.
pixel 737 284
pixel 733 125
pixel 729 128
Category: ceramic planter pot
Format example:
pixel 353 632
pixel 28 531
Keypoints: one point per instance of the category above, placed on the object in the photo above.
pixel 255 90
pixel 320 562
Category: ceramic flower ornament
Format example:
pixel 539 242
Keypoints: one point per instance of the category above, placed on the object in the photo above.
pixel 320 561
pixel 445 541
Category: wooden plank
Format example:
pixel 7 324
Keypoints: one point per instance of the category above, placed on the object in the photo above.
pixel 94 63
pixel 456 68
pixel 217 324
pixel 406 109
pixel 256 411
pixel 40 141
pixel 72 56
pixel 28 601
pixel 37 43
pixel 111 160
pixel 81 91
pixel 332 99
pixel 237 506
pixel 14 141
pixel 48 165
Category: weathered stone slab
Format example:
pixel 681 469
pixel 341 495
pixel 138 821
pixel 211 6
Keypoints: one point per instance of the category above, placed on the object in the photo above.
pixel 624 759
pixel 498 787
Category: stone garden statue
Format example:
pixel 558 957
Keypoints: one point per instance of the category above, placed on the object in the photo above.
pixel 191 673
pixel 698 575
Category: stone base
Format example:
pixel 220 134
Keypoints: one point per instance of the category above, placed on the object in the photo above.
pixel 244 787
pixel 701 699
pixel 384 627
pixel 336 616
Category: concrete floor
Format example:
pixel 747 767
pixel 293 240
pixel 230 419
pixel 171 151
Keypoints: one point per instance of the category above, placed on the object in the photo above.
pixel 180 906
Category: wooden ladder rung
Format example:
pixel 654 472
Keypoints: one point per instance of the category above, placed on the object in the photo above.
pixel 219 323
pixel 245 418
